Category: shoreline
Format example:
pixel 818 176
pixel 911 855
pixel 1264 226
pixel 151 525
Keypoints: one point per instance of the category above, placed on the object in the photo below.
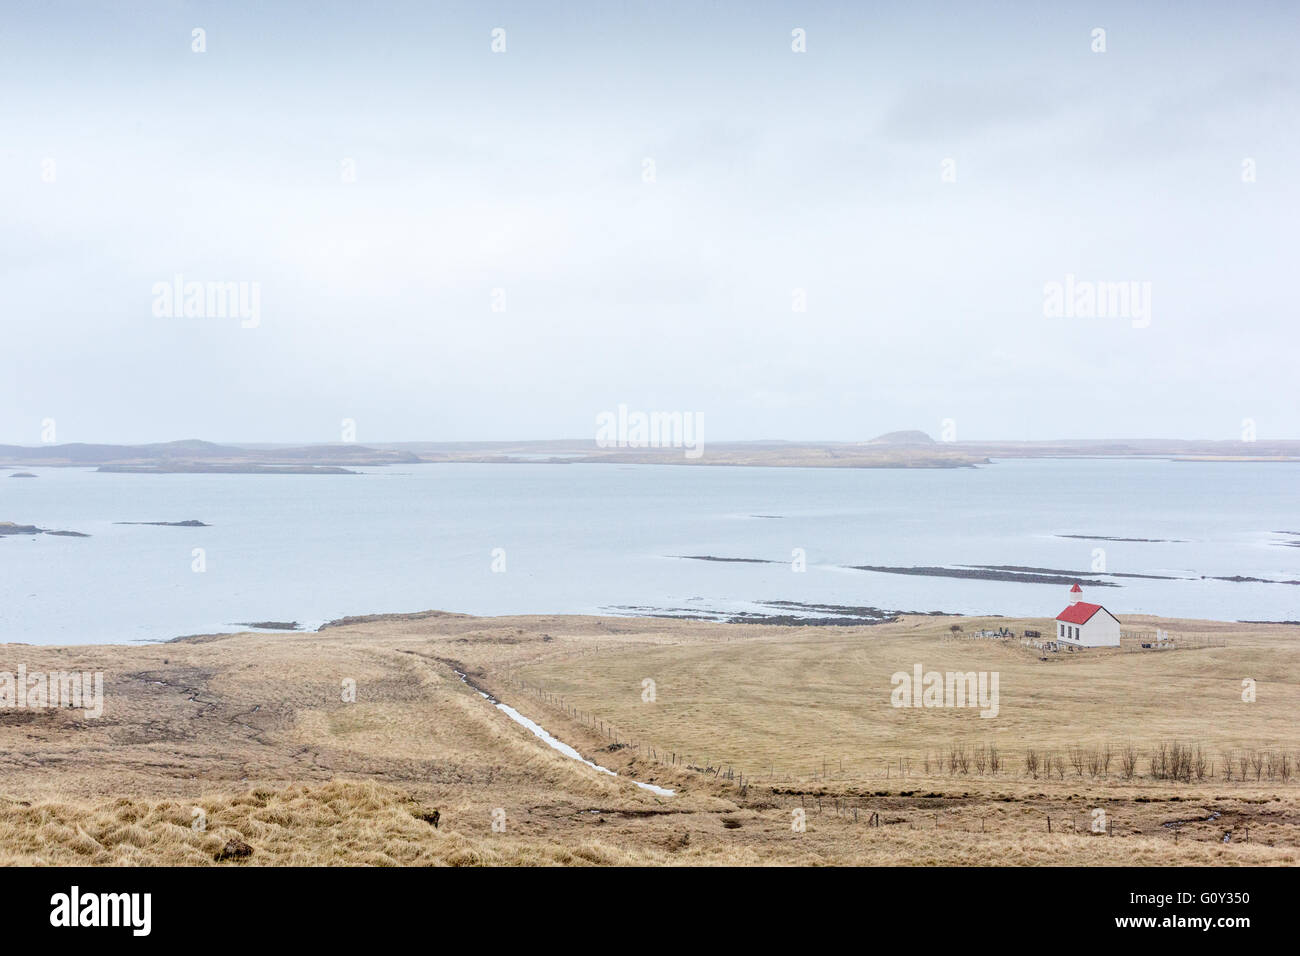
pixel 1234 569
pixel 864 464
pixel 895 451
pixel 774 622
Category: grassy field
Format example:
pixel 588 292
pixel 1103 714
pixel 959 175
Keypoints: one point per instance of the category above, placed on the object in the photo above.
pixel 793 704
pixel 213 746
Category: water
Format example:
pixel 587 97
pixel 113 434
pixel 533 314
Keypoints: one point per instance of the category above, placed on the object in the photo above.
pixel 588 538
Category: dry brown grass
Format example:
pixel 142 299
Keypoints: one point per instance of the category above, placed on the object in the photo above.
pixel 251 729
pixel 784 703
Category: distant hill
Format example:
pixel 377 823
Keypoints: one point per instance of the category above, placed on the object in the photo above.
pixel 195 455
pixel 912 437
pixel 911 448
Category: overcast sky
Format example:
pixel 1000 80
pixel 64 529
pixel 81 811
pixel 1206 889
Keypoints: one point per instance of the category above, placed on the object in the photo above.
pixel 525 171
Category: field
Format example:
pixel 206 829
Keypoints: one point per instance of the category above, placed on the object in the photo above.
pixel 780 742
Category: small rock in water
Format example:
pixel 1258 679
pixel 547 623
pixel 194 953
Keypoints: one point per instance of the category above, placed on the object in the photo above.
pixel 189 523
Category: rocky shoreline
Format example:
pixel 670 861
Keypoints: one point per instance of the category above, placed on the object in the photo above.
pixel 8 529
pixel 784 614
pixel 191 523
pixel 213 468
pixel 1011 573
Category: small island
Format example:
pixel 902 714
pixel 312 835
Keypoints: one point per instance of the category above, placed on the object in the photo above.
pixel 213 468
pixel 9 528
pixel 191 523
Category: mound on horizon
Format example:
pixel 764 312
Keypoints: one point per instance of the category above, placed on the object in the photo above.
pixel 912 436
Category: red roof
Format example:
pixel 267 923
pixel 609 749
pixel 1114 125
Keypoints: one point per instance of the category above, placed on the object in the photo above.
pixel 1080 613
pixel 1076 590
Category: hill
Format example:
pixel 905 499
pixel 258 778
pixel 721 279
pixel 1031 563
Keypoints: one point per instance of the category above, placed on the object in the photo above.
pixel 912 437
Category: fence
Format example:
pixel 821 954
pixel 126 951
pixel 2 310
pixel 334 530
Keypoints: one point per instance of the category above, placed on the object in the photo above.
pixel 1163 763
pixel 1162 640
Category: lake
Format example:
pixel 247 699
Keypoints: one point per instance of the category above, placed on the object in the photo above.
pixel 603 538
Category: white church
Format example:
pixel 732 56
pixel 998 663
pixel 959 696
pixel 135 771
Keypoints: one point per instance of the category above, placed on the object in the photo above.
pixel 1086 625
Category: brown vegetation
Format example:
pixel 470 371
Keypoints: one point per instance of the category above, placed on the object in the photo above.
pixel 751 725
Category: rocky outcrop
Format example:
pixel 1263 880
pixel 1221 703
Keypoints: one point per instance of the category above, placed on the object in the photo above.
pixel 8 528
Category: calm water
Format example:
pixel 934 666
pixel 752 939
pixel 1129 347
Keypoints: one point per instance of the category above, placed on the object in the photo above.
pixel 587 538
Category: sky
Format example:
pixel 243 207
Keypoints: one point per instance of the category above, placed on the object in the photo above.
pixel 652 204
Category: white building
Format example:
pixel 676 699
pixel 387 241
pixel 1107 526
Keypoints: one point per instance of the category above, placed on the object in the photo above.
pixel 1086 625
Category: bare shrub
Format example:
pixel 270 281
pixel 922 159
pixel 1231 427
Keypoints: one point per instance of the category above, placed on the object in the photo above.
pixel 1160 762
pixel 1077 759
pixel 995 759
pixel 1128 761
pixel 1177 761
pixel 1055 763
pixel 1031 763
